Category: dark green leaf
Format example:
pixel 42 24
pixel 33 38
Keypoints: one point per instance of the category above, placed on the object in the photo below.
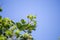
pixel 23 21
pixel 0 9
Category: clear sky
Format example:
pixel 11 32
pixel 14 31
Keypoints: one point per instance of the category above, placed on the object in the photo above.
pixel 47 12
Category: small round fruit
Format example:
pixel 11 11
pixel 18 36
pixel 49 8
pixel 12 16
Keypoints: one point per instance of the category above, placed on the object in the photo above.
pixel 17 32
pixel 30 37
pixel 25 35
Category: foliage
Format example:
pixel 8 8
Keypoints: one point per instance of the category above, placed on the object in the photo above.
pixel 0 9
pixel 9 28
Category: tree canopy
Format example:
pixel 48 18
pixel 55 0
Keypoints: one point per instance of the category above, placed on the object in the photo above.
pixel 9 28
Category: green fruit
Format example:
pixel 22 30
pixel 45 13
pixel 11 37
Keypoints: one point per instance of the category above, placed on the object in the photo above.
pixel 30 17
pixel 8 32
pixel 25 35
pixel 17 32
pixel 2 37
pixel 30 37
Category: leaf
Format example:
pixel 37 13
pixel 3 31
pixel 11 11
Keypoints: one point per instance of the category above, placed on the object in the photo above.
pixel 8 27
pixel 34 17
pixel 13 27
pixel 0 9
pixel 12 22
pixel 23 21
pixel 29 31
pixel 18 25
pixel 0 31
pixel 0 17
pixel 2 37
pixel 35 23
pixel 0 21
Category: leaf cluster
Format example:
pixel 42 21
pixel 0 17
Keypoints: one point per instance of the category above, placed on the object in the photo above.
pixel 9 28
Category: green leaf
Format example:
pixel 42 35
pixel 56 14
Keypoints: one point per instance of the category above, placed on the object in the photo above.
pixel 34 17
pixel 2 37
pixel 18 25
pixel 8 27
pixel 0 17
pixel 0 9
pixel 13 27
pixel 28 16
pixel 35 23
pixel 29 31
pixel 23 21
pixel 0 31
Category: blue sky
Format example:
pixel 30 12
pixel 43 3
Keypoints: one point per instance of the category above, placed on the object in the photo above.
pixel 47 12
